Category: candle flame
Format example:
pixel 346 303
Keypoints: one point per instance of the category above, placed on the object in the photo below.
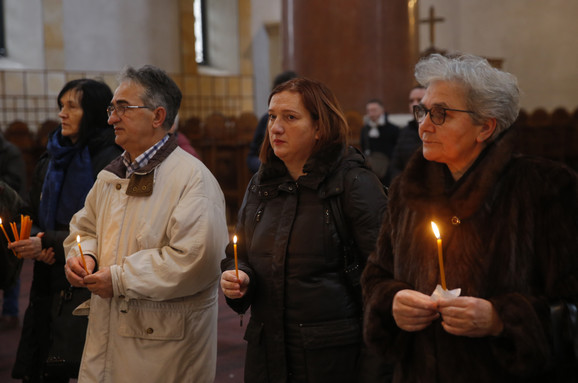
pixel 234 239
pixel 0 221
pixel 78 238
pixel 435 229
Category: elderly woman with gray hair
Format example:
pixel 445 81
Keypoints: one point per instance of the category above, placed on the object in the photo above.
pixel 509 240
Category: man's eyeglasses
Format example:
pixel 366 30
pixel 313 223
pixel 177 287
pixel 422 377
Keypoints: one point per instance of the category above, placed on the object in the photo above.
pixel 437 114
pixel 121 109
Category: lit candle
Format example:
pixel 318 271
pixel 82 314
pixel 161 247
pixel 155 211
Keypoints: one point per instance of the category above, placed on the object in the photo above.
pixel 81 254
pixel 440 254
pixel 235 251
pixel 5 233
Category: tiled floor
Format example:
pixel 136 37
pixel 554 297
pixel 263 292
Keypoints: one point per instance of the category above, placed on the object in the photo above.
pixel 231 347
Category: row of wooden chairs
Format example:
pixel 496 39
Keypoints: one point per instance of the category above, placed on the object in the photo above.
pixel 218 127
pixel 223 140
pixel 20 135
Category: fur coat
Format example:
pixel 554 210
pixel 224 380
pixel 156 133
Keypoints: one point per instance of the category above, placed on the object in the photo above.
pixel 509 228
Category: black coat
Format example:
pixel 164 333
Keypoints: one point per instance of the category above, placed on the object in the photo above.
pixel 384 145
pixel 49 280
pixel 12 166
pixel 305 316
pixel 407 144
pixel 509 227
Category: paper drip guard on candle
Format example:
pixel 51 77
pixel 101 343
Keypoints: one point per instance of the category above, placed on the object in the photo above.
pixel 440 293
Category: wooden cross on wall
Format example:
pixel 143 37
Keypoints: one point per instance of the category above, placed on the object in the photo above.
pixel 431 21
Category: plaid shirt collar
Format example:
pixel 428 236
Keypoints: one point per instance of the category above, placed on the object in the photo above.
pixel 143 159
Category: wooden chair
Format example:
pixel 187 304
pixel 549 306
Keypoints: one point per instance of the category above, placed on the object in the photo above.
pixel 19 134
pixel 539 118
pixel 215 127
pixel 245 127
pixel 561 117
pixel 43 133
pixel 192 129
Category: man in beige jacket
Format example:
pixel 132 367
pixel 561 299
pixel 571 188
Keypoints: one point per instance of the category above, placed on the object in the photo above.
pixel 152 231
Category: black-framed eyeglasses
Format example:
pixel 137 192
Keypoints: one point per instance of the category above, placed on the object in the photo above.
pixel 121 109
pixel 437 114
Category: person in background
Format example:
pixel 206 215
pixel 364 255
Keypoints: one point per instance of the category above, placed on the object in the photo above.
pixel 182 140
pixel 253 161
pixel 377 140
pixel 153 232
pixel 508 227
pixel 408 141
pixel 13 173
pixel 305 323
pixel 75 154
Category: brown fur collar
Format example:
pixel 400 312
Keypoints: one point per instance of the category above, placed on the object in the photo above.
pixel 428 185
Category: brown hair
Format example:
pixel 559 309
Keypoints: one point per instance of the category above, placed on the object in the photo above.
pixel 324 108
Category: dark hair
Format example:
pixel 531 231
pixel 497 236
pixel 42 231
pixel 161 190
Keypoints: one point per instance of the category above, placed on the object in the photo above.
pixel 375 101
pixel 324 108
pixel 160 90
pixel 94 97
pixel 283 77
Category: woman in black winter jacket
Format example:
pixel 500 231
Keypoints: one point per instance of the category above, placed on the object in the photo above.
pixel 305 323
pixel 76 152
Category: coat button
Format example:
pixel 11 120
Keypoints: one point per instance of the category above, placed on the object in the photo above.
pixel 150 330
pixel 265 194
pixel 456 221
pixel 118 186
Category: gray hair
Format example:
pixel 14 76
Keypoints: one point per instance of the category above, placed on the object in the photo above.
pixel 490 93
pixel 159 90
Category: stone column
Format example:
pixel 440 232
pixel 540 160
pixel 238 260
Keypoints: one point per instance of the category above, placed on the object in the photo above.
pixel 187 33
pixel 53 38
pixel 361 49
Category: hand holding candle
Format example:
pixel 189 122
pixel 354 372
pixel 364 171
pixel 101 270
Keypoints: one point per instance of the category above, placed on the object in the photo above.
pixel 81 254
pixel 236 262
pixel 440 254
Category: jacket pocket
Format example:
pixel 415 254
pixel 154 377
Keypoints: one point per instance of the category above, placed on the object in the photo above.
pixel 254 332
pixel 154 324
pixel 331 334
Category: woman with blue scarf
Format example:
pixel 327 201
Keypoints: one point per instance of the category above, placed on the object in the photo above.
pixel 76 152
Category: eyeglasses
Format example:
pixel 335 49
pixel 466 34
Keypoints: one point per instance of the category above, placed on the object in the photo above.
pixel 121 109
pixel 437 114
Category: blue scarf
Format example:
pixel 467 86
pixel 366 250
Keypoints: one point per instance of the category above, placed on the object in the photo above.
pixel 68 180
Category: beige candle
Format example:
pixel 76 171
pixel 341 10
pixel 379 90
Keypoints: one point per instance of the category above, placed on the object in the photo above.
pixel 440 254
pixel 235 252
pixel 81 254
